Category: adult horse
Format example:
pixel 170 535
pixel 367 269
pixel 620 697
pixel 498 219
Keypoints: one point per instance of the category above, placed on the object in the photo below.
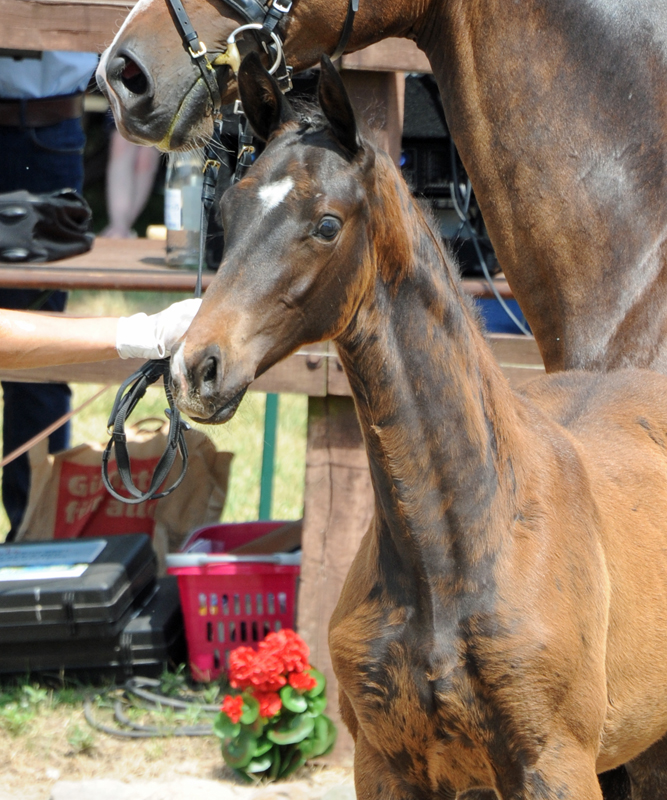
pixel 502 625
pixel 557 108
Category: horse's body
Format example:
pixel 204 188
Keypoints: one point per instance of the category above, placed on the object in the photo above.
pixel 502 627
pixel 557 108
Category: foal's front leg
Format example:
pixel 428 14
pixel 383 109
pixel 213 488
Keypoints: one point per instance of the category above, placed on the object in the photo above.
pixel 562 773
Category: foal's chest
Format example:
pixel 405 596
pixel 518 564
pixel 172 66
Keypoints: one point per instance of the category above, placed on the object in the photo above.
pixel 419 705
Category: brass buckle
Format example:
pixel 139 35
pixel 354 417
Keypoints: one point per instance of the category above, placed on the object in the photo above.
pixel 199 53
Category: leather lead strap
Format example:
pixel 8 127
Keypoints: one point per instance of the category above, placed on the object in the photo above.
pixel 137 384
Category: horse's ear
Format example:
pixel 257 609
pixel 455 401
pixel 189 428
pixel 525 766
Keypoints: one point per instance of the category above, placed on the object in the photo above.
pixel 264 104
pixel 336 106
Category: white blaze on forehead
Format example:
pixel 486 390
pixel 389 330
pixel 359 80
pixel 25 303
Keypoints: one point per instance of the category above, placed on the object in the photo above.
pixel 273 194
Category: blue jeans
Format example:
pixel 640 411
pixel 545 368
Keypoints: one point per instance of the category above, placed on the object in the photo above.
pixel 39 160
pixel 496 319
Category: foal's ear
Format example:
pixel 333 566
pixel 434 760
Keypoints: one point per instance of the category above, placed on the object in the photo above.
pixel 336 106
pixel 264 104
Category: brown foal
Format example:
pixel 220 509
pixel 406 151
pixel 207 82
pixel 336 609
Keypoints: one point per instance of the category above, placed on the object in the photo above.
pixel 502 627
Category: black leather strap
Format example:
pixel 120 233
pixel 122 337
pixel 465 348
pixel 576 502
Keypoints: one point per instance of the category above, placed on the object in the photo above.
pixel 123 406
pixel 197 50
pixel 352 8
pixel 249 10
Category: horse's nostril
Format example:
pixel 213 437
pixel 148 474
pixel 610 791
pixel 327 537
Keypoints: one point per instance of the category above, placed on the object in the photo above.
pixel 133 78
pixel 210 374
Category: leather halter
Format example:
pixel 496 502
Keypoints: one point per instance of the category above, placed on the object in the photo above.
pixel 263 17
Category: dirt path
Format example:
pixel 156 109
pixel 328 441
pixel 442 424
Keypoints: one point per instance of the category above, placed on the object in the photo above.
pixel 58 745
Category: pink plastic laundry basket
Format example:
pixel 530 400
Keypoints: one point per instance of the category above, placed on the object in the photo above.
pixel 231 600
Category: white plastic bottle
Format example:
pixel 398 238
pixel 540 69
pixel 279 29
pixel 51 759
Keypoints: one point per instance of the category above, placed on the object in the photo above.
pixel 182 209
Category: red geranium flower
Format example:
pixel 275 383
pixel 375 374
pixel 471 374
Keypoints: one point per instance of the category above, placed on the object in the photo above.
pixel 269 703
pixel 302 681
pixel 289 647
pixel 233 707
pixel 241 667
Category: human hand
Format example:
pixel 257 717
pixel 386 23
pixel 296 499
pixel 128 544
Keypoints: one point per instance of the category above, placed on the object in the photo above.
pixel 154 336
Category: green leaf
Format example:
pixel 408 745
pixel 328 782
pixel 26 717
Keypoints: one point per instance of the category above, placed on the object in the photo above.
pixel 257 726
pixel 293 700
pixel 250 710
pixel 238 752
pixel 324 736
pixel 291 764
pixel 224 727
pixel 275 764
pixel 321 683
pixel 259 764
pixel 291 729
pixel 263 746
pixel 333 733
pixel 308 746
pixel 316 705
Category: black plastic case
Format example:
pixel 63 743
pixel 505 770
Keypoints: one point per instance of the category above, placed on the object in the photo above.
pixel 72 588
pixel 152 638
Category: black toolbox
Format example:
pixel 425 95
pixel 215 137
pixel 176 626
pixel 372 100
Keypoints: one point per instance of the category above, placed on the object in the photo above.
pixel 152 639
pixel 72 588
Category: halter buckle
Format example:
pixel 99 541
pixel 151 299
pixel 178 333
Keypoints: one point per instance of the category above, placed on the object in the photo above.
pixel 284 8
pixel 198 53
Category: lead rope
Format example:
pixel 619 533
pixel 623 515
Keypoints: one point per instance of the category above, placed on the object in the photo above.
pixel 134 388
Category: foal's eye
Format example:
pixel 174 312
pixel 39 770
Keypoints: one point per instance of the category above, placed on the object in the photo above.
pixel 328 227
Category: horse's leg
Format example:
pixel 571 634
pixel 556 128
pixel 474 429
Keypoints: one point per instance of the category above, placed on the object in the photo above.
pixel 373 780
pixel 563 772
pixel 615 784
pixel 648 773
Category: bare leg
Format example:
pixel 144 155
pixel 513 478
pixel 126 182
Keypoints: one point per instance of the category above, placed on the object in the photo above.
pixel 130 176
pixel 648 773
pixel 146 163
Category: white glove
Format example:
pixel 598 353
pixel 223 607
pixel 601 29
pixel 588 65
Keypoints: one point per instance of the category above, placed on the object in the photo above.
pixel 141 336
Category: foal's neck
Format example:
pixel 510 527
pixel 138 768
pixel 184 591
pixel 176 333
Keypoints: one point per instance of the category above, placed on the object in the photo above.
pixel 435 411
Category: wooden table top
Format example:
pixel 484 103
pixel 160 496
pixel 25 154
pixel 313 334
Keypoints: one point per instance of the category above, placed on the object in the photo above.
pixel 137 265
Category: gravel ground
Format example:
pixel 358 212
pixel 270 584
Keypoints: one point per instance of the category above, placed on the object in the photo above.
pixel 46 762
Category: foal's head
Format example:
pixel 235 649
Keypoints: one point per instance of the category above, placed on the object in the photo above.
pixel 300 232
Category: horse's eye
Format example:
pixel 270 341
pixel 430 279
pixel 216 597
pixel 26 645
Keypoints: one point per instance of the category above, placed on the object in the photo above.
pixel 328 227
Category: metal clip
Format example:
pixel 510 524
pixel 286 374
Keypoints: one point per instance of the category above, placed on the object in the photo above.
pixel 284 9
pixel 232 57
pixel 238 108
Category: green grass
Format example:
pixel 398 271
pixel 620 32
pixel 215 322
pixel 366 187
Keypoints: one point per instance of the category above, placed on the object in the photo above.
pixel 243 435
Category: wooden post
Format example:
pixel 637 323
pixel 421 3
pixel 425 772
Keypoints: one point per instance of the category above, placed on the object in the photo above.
pixel 379 97
pixel 338 509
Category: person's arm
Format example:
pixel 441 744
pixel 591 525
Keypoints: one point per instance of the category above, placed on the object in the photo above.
pixel 30 339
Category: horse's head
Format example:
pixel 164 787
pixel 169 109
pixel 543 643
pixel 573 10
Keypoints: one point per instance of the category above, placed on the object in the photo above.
pixel 296 246
pixel 155 88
